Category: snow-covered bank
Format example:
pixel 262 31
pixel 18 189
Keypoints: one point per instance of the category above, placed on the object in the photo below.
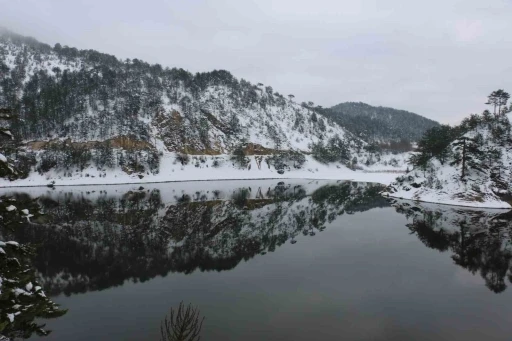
pixel 200 168
pixel 445 199
pixel 444 187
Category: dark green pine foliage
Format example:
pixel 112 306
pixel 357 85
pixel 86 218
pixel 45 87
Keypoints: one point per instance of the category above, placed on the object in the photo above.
pixel 379 123
pixel 468 154
pixel 22 300
pixel 434 144
pixel 335 149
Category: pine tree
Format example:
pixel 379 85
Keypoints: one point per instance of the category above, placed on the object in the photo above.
pixel 498 99
pixel 467 154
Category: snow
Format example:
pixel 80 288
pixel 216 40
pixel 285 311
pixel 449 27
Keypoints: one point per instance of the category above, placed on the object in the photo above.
pixel 10 208
pixel 451 191
pixel 442 183
pixel 171 171
pixel 3 158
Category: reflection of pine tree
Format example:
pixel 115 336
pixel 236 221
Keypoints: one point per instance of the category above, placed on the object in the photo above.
pixel 476 247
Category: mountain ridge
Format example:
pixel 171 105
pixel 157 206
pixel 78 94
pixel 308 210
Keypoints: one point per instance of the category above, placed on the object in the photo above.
pixel 379 123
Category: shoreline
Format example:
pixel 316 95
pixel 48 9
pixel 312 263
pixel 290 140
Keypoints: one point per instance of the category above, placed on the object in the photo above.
pixel 450 204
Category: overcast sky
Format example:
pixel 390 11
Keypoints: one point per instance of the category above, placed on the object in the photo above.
pixel 438 58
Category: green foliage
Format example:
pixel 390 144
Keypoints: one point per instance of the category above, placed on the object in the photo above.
pixel 64 157
pixel 446 143
pixel 182 158
pixel 284 160
pixel 239 157
pixel 468 154
pixel 240 197
pixel 379 123
pixel 335 150
pixel 498 100
pixel 434 143
pixel 22 300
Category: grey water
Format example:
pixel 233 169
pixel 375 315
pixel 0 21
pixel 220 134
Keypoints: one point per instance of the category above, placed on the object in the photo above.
pixel 269 260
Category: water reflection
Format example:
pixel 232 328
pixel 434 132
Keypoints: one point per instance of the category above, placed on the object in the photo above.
pixel 92 238
pixel 92 241
pixel 479 240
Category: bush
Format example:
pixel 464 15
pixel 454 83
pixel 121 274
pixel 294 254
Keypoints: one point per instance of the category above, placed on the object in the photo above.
pixel 24 164
pixel 335 150
pixel 184 159
pixel 284 160
pixel 48 161
pixel 239 158
pixel 240 197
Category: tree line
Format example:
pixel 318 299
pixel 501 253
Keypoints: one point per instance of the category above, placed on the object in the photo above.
pixel 449 144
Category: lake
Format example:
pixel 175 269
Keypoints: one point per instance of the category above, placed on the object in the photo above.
pixel 268 260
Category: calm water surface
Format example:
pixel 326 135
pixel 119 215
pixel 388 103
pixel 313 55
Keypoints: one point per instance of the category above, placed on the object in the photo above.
pixel 263 260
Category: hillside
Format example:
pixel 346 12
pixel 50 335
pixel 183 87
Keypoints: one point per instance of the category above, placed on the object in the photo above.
pixel 473 169
pixel 379 124
pixel 82 113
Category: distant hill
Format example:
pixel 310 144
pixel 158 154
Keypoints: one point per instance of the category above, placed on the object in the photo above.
pixel 379 124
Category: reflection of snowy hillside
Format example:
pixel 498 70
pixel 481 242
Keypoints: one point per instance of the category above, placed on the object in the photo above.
pixel 140 233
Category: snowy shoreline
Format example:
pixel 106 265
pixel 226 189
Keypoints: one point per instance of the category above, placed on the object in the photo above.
pixel 197 171
pixel 172 171
pixel 450 202
pixel 141 182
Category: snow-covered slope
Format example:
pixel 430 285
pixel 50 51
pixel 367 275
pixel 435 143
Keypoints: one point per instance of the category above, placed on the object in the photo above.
pixel 476 172
pixel 202 113
pixel 84 114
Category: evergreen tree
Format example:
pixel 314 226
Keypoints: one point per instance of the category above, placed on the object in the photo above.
pixel 498 100
pixel 467 154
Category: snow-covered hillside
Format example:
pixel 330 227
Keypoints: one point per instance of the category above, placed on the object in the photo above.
pixel 83 114
pixel 474 171
pixel 202 113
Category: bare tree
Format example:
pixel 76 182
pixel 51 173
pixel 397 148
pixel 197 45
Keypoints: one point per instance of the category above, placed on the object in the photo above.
pixel 183 324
